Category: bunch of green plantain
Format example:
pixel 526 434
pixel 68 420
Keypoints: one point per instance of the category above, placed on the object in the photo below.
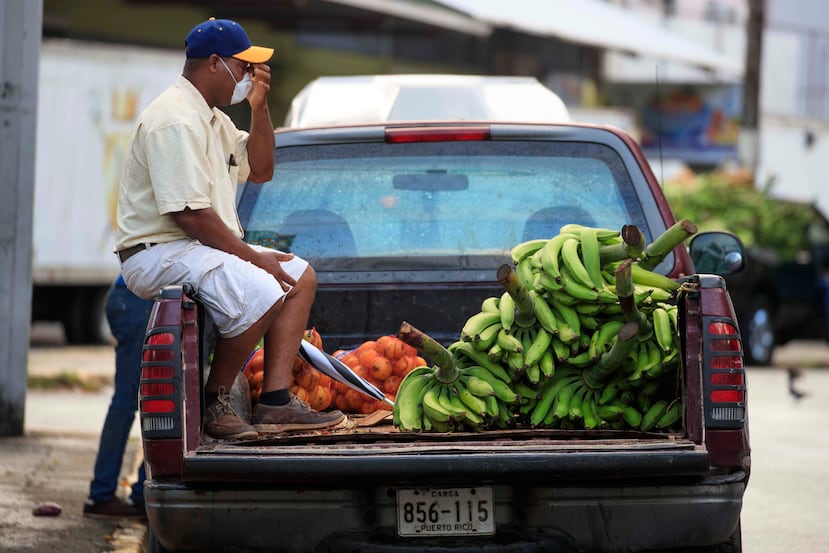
pixel 585 333
pixel 585 330
pixel 447 396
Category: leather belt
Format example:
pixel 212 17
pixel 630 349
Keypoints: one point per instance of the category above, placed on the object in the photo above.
pixel 125 254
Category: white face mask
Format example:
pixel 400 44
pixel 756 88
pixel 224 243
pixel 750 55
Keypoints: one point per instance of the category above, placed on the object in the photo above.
pixel 240 91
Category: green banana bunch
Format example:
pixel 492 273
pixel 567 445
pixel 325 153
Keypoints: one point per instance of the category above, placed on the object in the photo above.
pixel 456 393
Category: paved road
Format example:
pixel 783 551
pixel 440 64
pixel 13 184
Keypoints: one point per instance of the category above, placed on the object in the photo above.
pixel 53 461
pixel 785 504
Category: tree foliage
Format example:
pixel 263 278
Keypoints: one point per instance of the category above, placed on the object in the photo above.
pixel 715 201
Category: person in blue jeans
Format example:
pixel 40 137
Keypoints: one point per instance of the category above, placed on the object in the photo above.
pixel 127 315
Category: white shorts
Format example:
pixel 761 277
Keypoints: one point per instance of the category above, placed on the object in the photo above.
pixel 236 293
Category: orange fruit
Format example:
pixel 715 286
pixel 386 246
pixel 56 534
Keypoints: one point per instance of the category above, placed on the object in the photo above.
pixel 382 342
pixel 409 350
pixel 319 398
pixel 313 337
pixel 308 378
pixel 325 380
pixel 367 356
pixel 401 366
pixel 353 400
pixel 368 407
pixel 340 403
pixel 351 360
pixel 301 393
pixel 256 378
pixel 394 349
pixel 380 369
pixel 392 383
pixel 256 363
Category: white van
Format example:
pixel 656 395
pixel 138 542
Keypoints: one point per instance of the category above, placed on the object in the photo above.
pixel 381 98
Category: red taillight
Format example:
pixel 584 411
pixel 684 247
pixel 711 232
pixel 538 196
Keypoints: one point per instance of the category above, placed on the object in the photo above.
pixel 158 398
pixel 161 339
pixel 726 382
pixel 731 344
pixel 158 355
pixel 152 373
pixel 728 379
pixel 158 406
pixel 721 327
pixel 158 389
pixel 435 134
pixel 727 396
pixel 727 362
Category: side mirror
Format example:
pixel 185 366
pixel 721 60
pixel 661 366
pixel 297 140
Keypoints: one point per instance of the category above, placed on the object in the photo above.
pixel 719 253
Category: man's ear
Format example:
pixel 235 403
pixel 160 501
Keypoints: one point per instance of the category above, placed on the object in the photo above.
pixel 213 63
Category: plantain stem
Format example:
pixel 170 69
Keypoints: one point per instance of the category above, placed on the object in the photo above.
pixel 524 315
pixel 610 361
pixel 631 246
pixel 665 243
pixel 446 371
pixel 625 290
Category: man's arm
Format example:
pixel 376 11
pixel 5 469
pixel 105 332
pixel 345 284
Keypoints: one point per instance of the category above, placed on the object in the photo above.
pixel 260 140
pixel 208 228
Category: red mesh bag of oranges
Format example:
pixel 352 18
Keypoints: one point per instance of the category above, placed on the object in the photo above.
pixel 383 362
pixel 308 384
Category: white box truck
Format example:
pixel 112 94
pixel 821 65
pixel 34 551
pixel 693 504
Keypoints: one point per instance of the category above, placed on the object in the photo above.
pixel 88 98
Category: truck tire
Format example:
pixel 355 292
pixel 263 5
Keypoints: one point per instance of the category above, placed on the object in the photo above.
pixel 85 322
pixel 759 338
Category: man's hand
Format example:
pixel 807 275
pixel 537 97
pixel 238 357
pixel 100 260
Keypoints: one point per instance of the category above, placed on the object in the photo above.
pixel 270 261
pixel 261 77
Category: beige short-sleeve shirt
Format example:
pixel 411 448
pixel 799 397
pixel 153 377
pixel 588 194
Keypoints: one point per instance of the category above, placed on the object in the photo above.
pixel 182 154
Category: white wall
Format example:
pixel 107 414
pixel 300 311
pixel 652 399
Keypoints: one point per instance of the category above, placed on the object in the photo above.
pixel 801 172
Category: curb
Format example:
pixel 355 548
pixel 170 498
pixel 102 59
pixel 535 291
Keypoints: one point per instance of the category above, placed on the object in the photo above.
pixel 130 537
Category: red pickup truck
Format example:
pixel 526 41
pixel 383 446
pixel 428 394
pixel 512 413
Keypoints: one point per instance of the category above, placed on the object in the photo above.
pixel 409 222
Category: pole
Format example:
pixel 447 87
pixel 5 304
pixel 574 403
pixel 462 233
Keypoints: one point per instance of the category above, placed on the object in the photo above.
pixel 749 146
pixel 20 30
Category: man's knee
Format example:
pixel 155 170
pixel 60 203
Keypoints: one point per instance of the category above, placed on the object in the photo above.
pixel 308 280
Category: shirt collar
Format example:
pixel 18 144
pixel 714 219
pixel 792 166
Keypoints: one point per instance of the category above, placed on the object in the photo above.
pixel 195 98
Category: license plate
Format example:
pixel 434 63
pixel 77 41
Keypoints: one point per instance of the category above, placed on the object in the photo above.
pixel 445 512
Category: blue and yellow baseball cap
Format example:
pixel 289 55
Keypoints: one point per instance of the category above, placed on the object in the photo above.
pixel 225 38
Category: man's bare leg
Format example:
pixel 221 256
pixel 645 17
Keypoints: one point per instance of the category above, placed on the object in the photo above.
pixel 283 337
pixel 230 354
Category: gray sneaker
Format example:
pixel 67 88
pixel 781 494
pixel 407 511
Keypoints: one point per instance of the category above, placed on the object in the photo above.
pixel 222 423
pixel 296 415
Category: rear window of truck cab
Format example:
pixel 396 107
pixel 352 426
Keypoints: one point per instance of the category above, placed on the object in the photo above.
pixel 452 205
